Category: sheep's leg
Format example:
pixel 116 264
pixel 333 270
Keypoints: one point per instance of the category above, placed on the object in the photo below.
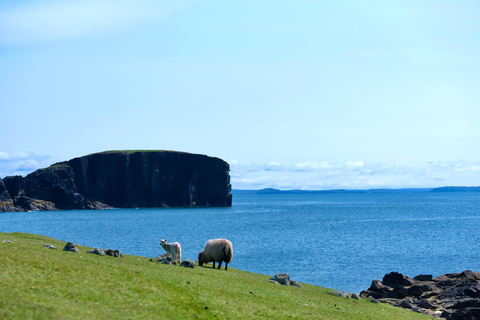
pixel 226 265
pixel 219 265
pixel 213 264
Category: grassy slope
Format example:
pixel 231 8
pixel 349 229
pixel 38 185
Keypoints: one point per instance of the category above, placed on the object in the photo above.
pixel 40 283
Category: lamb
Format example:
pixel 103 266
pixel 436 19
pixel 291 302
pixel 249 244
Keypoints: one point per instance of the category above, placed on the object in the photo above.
pixel 174 248
pixel 216 250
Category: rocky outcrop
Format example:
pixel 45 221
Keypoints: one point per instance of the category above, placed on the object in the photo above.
pixel 166 258
pixel 450 296
pixel 284 278
pixel 187 263
pixel 121 179
pixel 70 246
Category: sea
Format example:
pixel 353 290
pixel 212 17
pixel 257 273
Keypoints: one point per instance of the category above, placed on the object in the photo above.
pixel 338 241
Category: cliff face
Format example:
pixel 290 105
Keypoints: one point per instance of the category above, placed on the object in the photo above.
pixel 125 179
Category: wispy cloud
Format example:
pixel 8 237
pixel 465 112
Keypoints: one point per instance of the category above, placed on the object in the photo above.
pixel 352 175
pixel 22 163
pixel 50 21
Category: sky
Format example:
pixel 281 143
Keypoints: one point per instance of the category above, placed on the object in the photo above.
pixel 298 94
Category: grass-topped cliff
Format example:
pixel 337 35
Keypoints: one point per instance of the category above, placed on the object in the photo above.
pixel 41 283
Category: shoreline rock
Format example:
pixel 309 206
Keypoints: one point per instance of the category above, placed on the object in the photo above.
pixel 449 296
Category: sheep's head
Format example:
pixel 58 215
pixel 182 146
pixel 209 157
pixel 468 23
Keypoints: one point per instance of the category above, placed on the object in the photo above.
pixel 201 259
pixel 162 242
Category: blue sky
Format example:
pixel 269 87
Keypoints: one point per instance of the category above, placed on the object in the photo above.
pixel 293 94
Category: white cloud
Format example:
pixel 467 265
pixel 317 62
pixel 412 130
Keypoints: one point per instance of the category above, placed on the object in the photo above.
pixel 274 164
pixel 354 175
pixel 22 163
pixel 355 164
pixel 50 21
pixel 12 156
pixel 313 165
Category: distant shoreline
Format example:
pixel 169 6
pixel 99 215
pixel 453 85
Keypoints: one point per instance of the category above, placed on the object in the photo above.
pixel 350 191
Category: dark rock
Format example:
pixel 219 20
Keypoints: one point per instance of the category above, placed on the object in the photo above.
pixel 126 179
pixel 295 284
pixel 426 304
pixel 395 279
pixel 415 291
pixel 464 303
pixel 14 186
pixel 4 195
pixel 187 263
pixel 407 303
pixel 377 286
pixel 458 294
pixel 473 290
pixel 29 204
pixel 468 274
pixel 70 246
pixel 113 253
pixel 424 277
pixel 397 293
pixel 471 314
pixel 373 294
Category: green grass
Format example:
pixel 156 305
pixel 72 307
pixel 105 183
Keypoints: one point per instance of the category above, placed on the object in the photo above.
pixel 41 283
pixel 134 151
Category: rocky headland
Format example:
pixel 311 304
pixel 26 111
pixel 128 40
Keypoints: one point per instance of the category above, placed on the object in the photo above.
pixel 450 296
pixel 121 179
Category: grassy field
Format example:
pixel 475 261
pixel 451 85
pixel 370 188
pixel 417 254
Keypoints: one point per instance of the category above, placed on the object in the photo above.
pixel 41 283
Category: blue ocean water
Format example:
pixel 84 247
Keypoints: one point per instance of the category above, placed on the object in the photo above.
pixel 340 241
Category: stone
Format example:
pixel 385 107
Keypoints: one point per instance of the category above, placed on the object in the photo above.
pixel 377 286
pixel 7 241
pixel 415 291
pixel 407 303
pixel 282 278
pixel 355 296
pixel 49 246
pixel 165 259
pixel 187 263
pixel 70 246
pixel 113 253
pixel 424 277
pixel 395 279
pixel 373 294
pixel 341 294
pixel 473 290
pixel 98 251
pixel 426 304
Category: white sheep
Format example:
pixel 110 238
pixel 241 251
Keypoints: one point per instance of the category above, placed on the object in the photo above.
pixel 216 250
pixel 174 248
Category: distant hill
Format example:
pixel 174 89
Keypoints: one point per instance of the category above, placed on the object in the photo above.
pixel 457 189
pixel 344 191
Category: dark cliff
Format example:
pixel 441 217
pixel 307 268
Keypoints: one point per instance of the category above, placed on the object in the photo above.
pixel 122 179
